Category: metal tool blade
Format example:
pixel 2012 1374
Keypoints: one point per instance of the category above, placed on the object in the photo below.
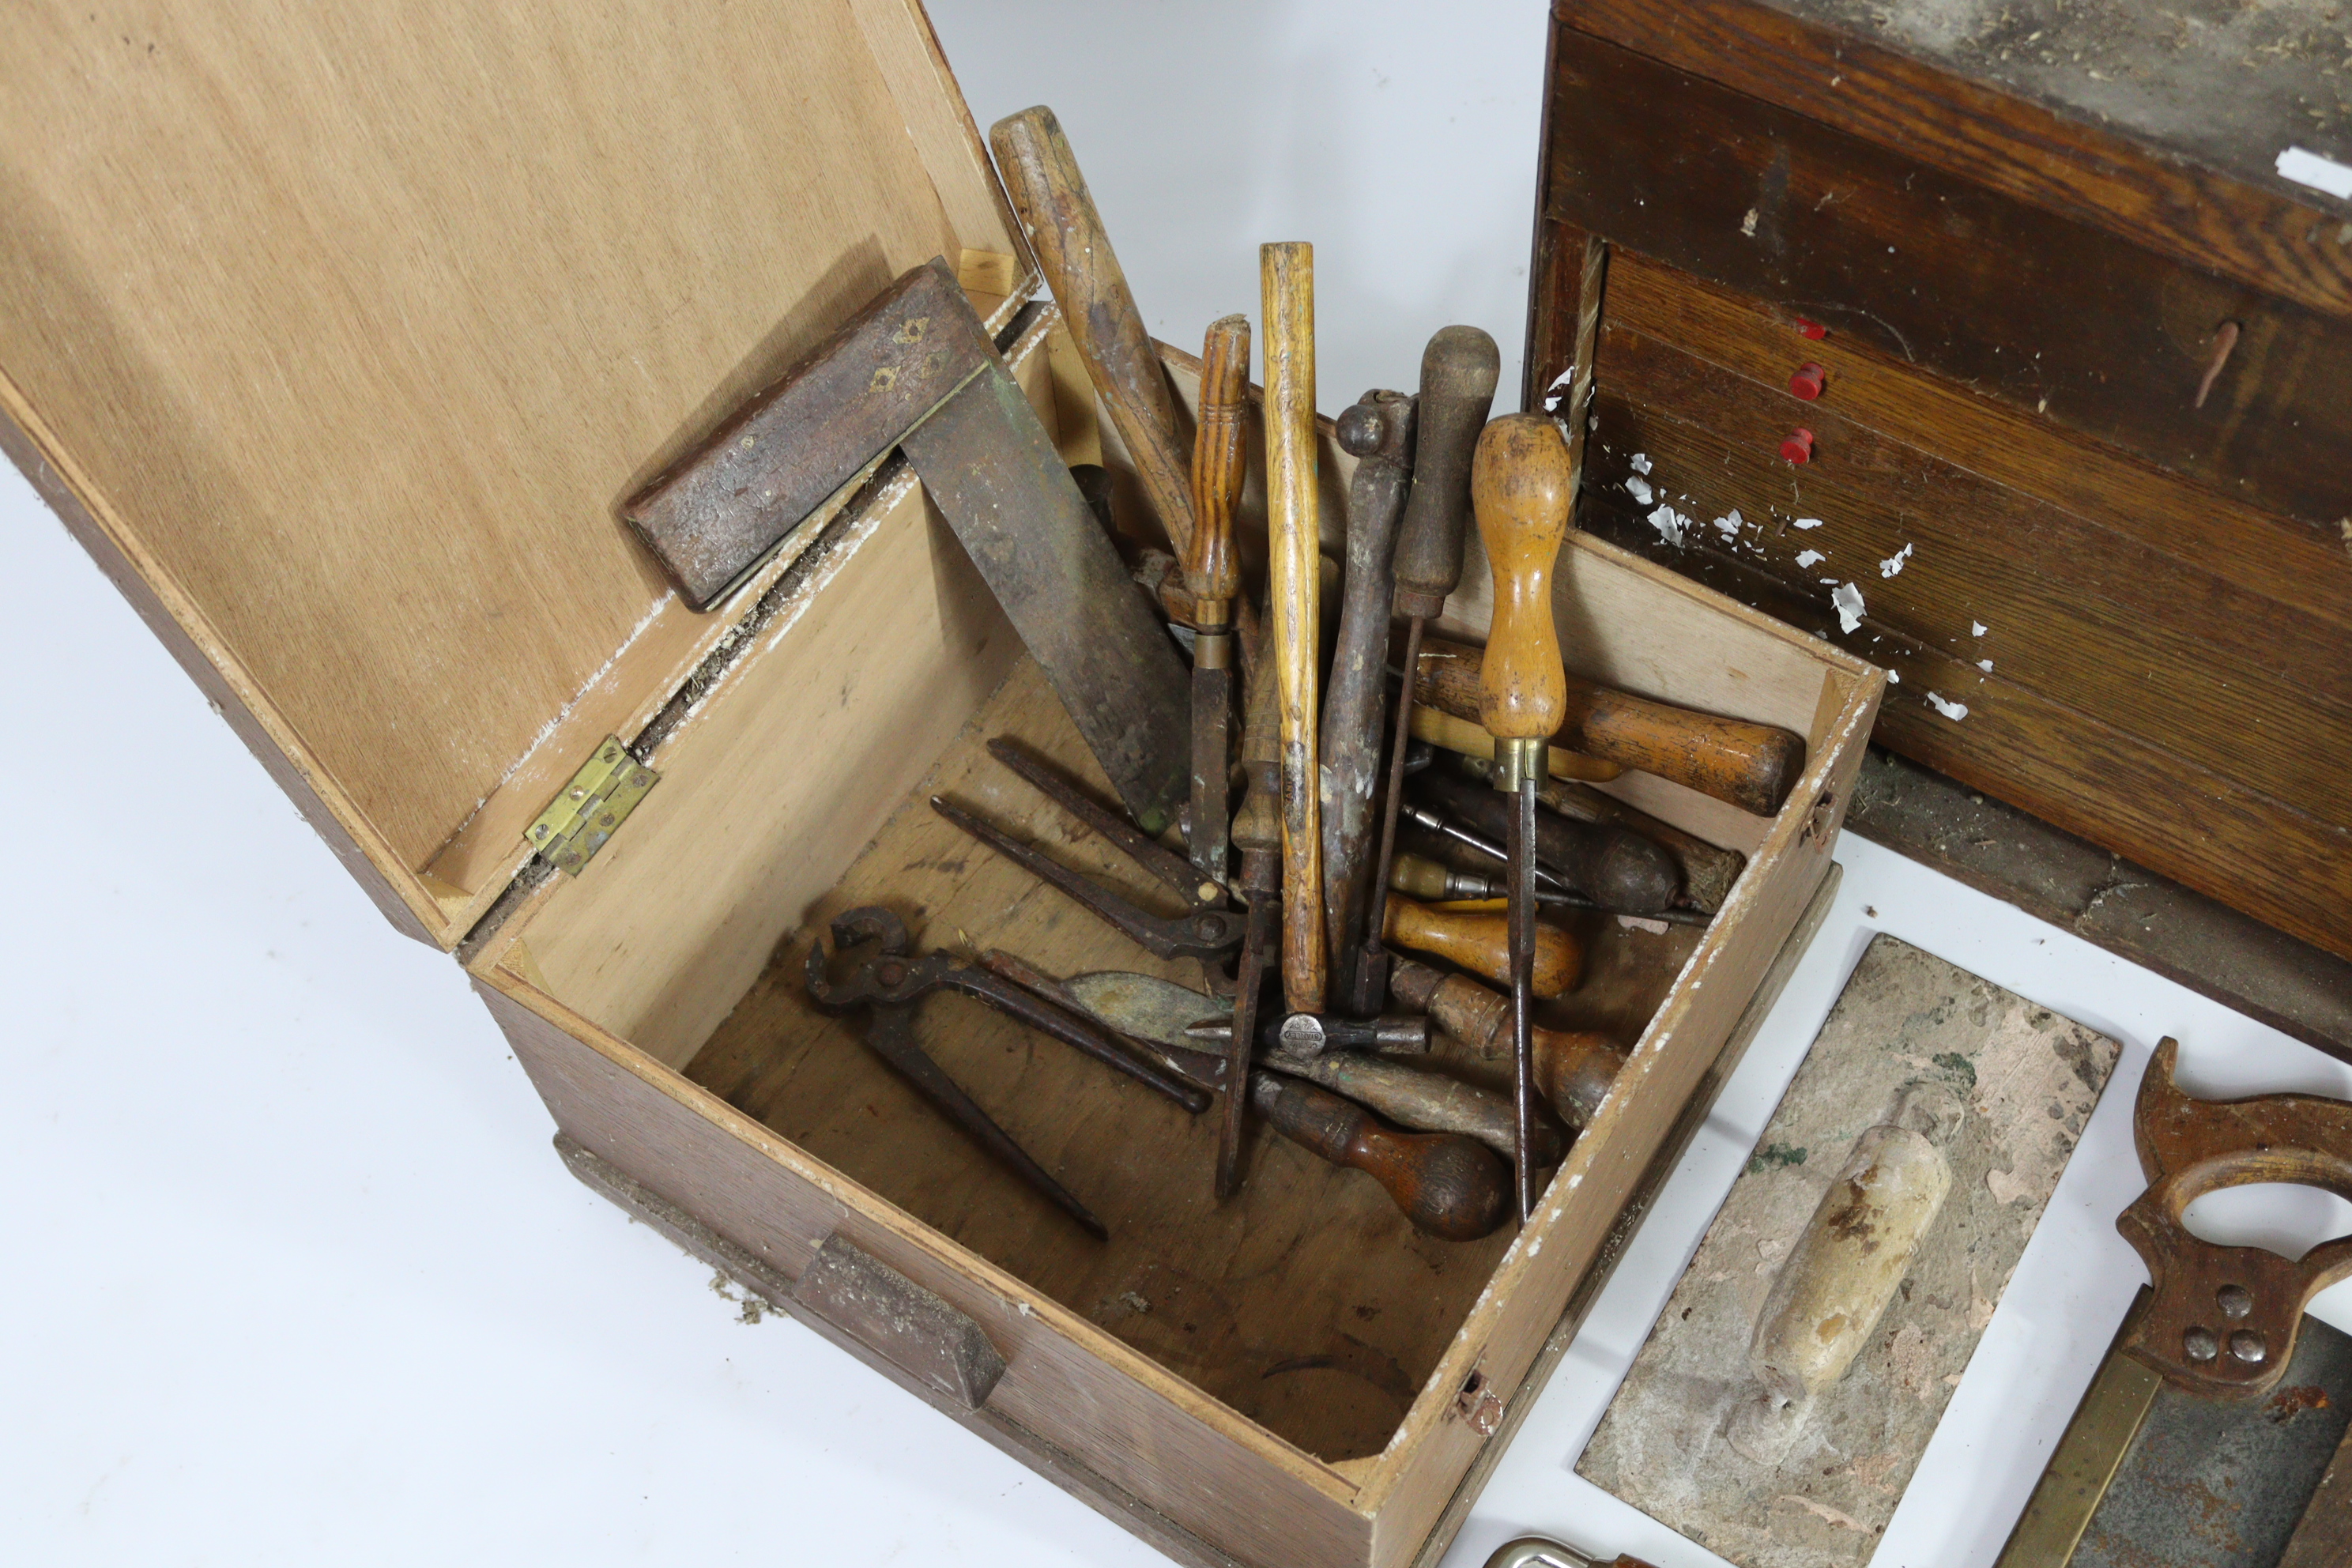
pixel 1212 710
pixel 1005 491
pixel 1169 868
pixel 1522 850
pixel 1144 1007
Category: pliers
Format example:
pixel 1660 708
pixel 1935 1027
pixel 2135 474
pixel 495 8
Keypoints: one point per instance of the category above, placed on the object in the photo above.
pixel 892 983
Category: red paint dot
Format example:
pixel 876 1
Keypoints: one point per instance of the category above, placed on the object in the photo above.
pixel 1798 447
pixel 1807 382
pixel 1812 330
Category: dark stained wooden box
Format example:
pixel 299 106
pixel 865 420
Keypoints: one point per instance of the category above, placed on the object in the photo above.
pixel 341 366
pixel 2028 230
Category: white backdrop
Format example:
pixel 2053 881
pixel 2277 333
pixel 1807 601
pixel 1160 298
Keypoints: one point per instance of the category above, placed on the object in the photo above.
pixel 290 1273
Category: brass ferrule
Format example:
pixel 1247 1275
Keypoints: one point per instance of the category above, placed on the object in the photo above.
pixel 1519 759
pixel 1212 648
pixel 1212 614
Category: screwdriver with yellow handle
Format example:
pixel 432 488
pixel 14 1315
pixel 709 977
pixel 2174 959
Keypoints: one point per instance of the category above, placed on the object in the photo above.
pixel 1521 485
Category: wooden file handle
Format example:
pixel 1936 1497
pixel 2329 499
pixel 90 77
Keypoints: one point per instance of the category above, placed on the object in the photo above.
pixel 1448 1186
pixel 1417 1098
pixel 1287 280
pixel 1573 1068
pixel 1751 766
pixel 1212 570
pixel 1615 866
pixel 1520 484
pixel 1065 231
pixel 1458 371
pixel 1482 944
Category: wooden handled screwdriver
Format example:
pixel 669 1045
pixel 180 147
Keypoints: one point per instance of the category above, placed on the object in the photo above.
pixel 1481 944
pixel 1447 1185
pixel 1213 573
pixel 1072 248
pixel 1287 280
pixel 1522 486
pixel 1458 370
pixel 1573 1068
pixel 1377 430
pixel 1257 833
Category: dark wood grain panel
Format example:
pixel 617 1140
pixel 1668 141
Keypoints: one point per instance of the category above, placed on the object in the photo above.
pixel 2240 684
pixel 2138 504
pixel 2042 312
pixel 2063 766
pixel 2179 209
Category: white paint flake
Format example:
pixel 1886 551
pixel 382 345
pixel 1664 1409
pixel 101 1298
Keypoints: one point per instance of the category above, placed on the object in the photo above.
pixel 1848 602
pixel 2310 169
pixel 1639 488
pixel 1894 563
pixel 1748 223
pixel 1894 678
pixel 1729 526
pixel 1808 523
pixel 1985 664
pixel 1557 389
pixel 1829 582
pixel 1640 461
pixel 1956 712
pixel 1670 524
pixel 1811 558
pixel 1977 629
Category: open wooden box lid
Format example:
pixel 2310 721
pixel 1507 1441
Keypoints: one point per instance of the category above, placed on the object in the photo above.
pixel 339 335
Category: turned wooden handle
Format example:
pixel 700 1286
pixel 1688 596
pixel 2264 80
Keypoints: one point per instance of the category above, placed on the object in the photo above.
pixel 1448 1186
pixel 1520 484
pixel 1287 281
pixel 1615 866
pixel 1212 570
pixel 1456 733
pixel 1751 766
pixel 1458 371
pixel 1419 1099
pixel 1573 1068
pixel 1065 231
pixel 1482 944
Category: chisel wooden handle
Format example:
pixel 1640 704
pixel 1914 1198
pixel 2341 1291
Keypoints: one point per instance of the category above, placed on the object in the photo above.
pixel 1417 1098
pixel 1065 231
pixel 1458 371
pixel 1481 944
pixel 1448 1186
pixel 1751 766
pixel 1613 866
pixel 1455 733
pixel 1287 280
pixel 1212 570
pixel 1573 1068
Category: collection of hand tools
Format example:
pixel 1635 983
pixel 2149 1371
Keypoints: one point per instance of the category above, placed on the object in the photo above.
pixel 1487 770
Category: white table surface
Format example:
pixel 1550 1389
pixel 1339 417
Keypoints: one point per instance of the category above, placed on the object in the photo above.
pixel 292 1276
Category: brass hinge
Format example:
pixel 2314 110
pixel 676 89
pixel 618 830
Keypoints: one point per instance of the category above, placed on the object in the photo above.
pixel 592 807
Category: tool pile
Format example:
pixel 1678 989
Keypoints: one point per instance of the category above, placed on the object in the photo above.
pixel 1439 804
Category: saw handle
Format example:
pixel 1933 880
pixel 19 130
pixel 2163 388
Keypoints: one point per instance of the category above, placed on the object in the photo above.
pixel 1212 570
pixel 1481 944
pixel 1072 248
pixel 1448 1186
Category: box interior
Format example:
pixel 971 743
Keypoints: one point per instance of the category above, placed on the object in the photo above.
pixel 800 788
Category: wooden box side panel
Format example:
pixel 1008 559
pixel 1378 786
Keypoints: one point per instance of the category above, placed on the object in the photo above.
pixel 1179 1453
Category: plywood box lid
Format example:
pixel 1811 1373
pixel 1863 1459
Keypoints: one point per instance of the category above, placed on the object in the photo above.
pixel 341 333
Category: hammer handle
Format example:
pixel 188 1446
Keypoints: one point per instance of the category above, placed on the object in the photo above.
pixel 1287 280
pixel 1066 235
pixel 1751 766
pixel 1448 1186
pixel 1481 944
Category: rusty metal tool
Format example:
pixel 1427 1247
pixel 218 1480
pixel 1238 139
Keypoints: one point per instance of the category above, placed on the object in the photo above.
pixel 1449 1186
pixel 1459 368
pixel 1213 573
pixel 1522 485
pixel 1257 833
pixel 1437 883
pixel 1287 281
pixel 917 371
pixel 1378 431
pixel 1614 867
pixel 1066 235
pixel 2215 1433
pixel 891 982
pixel 1150 1012
pixel 1312 1033
pixel 1574 1068
pixel 1709 870
pixel 1206 930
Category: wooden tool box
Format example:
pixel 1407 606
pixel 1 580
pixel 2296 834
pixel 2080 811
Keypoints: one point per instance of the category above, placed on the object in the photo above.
pixel 2087 359
pixel 339 338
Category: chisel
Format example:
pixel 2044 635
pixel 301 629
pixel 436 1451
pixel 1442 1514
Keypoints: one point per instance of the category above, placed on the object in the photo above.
pixel 1615 867
pixel 1458 370
pixel 1287 280
pixel 1521 487
pixel 1573 1068
pixel 1463 737
pixel 1377 430
pixel 1709 870
pixel 1213 574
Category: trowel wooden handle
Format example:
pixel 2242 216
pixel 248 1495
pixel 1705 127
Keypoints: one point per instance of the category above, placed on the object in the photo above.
pixel 1751 766
pixel 1211 569
pixel 1057 214
pixel 1447 1185
pixel 1520 484
pixel 1573 1068
pixel 1458 371
pixel 1482 944
pixel 1455 733
pixel 1287 280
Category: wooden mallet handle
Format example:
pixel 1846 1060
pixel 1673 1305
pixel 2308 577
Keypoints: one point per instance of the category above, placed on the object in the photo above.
pixel 1066 233
pixel 1448 1186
